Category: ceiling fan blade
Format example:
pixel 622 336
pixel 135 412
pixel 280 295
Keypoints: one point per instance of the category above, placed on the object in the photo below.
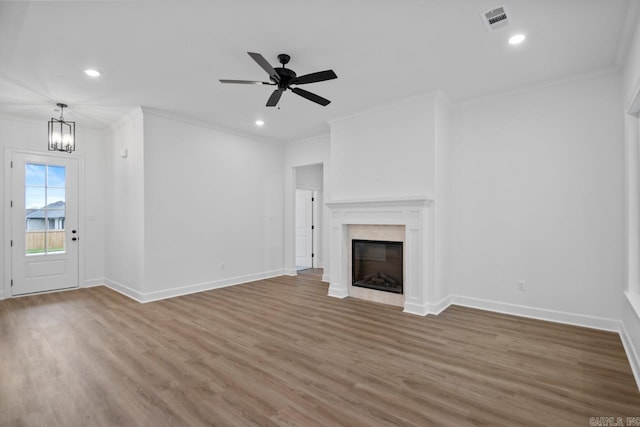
pixel 245 82
pixel 265 65
pixel 274 98
pixel 320 76
pixel 311 96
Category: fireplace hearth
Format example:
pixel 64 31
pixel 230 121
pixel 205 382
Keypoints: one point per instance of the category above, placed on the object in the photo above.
pixel 377 265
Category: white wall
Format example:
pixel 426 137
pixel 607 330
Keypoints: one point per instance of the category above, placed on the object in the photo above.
pixel 537 195
pixel 310 177
pixel 213 207
pixel 385 152
pixel 310 151
pixel 442 214
pixel 94 189
pixel 124 206
pixel 631 94
pixel 631 69
pixel 17 134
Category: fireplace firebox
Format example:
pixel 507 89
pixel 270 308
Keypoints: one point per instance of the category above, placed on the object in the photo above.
pixel 377 264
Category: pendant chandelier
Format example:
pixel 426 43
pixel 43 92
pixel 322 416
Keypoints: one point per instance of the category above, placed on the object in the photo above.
pixel 62 134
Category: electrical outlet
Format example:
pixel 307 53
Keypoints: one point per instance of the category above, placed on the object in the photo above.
pixel 521 285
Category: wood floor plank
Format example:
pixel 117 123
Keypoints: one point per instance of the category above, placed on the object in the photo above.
pixel 280 352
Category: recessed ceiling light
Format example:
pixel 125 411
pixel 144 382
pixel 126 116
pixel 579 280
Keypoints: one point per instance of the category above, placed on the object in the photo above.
pixel 517 39
pixel 92 73
pixel 259 123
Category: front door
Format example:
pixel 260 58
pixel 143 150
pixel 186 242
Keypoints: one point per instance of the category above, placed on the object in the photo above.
pixel 44 223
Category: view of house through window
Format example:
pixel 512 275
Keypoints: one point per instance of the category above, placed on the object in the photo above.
pixel 44 208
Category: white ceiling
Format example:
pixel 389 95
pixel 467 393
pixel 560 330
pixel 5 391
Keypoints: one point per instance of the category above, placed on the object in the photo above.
pixel 169 55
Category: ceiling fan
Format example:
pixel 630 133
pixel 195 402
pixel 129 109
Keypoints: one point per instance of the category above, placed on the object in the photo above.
pixel 284 77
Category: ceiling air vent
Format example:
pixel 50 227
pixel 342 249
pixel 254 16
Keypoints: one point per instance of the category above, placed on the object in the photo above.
pixel 495 18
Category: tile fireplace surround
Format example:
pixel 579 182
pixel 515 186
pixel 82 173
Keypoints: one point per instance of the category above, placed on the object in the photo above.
pixel 412 213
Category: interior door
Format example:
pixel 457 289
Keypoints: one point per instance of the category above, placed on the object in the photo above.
pixel 304 223
pixel 44 223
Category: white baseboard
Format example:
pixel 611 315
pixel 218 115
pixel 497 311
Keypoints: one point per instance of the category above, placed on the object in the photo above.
pixel 417 309
pixel 326 278
pixel 586 321
pixel 89 283
pixel 440 306
pixel 124 290
pixel 632 353
pixel 337 293
pixel 429 308
pixel 144 297
pixel 633 298
pixel 290 272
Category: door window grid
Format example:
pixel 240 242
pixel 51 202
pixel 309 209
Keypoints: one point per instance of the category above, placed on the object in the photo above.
pixel 45 202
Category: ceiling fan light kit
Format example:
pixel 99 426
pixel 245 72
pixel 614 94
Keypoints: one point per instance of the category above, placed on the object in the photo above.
pixel 283 78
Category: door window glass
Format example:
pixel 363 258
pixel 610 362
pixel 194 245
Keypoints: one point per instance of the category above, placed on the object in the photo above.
pixel 45 187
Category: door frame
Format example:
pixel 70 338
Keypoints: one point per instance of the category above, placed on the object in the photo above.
pixel 315 239
pixel 323 232
pixel 8 176
pixel 314 243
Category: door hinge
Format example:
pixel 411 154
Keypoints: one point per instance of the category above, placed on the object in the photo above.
pixel 11 203
pixel 12 243
pixel 313 199
pixel 12 283
pixel 313 227
pixel 312 255
pixel 11 163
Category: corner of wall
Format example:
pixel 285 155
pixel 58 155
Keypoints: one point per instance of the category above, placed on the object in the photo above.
pixel 124 290
pixel 442 170
pixel 124 201
pixel 440 306
pixel 628 29
pixel 632 353
pixel 630 328
pixel 90 283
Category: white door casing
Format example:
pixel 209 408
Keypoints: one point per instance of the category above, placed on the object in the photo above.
pixel 304 232
pixel 315 230
pixel 44 215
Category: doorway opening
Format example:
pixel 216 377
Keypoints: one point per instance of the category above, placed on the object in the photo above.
pixel 308 216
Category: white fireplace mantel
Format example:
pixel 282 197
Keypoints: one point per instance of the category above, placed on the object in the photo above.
pixel 379 202
pixel 414 214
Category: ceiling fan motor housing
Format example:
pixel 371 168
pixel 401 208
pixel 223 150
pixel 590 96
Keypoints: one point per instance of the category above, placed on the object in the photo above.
pixel 286 76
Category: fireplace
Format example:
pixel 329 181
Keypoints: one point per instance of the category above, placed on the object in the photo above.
pixel 407 220
pixel 377 264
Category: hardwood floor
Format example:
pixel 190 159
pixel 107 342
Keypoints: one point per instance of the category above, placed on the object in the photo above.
pixel 280 352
